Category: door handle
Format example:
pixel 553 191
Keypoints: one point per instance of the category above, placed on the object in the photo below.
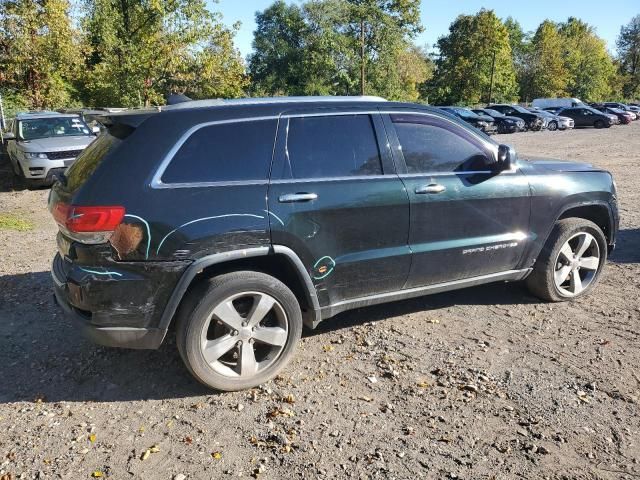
pixel 431 188
pixel 297 197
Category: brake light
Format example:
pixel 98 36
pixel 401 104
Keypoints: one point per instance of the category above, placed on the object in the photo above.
pixel 89 224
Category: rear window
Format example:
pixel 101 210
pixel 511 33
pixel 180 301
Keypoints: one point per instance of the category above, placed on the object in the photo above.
pixel 92 156
pixel 224 153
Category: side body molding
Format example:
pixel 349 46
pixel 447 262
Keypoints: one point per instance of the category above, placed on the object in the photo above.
pixel 310 318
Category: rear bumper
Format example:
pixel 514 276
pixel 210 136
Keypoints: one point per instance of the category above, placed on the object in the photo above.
pixel 116 309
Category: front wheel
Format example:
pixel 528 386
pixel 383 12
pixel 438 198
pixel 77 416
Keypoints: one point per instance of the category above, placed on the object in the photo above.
pixel 238 330
pixel 571 261
pixel 553 126
pixel 599 124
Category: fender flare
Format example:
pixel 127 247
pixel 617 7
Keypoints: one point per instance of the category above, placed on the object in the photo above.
pixel 311 319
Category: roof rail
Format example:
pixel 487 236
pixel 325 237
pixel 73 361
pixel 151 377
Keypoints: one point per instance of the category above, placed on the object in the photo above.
pixel 216 102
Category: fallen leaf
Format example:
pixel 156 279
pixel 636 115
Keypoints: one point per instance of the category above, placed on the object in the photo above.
pixel 145 455
pixel 289 399
pixel 154 449
pixel 97 474
pixel 423 384
pixel 92 437
pixel 328 348
pixel 216 455
pixel 188 440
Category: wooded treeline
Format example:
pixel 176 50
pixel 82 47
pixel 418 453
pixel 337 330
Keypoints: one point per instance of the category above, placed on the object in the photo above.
pixel 65 53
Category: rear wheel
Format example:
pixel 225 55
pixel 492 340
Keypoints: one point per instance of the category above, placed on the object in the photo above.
pixel 238 330
pixel 571 261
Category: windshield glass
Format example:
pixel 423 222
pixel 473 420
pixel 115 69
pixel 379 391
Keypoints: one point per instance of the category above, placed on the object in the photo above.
pixel 52 127
pixel 520 109
pixel 494 113
pixel 466 113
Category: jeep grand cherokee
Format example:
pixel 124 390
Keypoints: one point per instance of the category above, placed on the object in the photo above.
pixel 240 221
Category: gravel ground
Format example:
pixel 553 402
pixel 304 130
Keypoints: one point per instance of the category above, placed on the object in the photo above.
pixel 484 383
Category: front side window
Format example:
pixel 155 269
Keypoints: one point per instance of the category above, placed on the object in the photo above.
pixel 237 151
pixel 431 146
pixel 332 146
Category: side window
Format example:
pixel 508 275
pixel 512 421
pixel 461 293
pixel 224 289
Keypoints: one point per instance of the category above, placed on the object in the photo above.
pixel 224 152
pixel 332 146
pixel 431 146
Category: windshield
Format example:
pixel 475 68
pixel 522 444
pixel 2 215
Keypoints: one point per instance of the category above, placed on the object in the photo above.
pixel 520 109
pixel 494 113
pixel 52 127
pixel 465 113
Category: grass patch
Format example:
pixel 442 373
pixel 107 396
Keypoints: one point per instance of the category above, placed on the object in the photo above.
pixel 9 221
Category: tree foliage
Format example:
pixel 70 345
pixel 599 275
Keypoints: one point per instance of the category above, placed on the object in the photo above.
pixel 467 53
pixel 321 47
pixel 39 52
pixel 629 57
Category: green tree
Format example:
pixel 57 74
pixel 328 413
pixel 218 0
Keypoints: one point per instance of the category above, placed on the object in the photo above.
pixel 277 64
pixel 140 51
pixel 629 58
pixel 589 66
pixel 549 76
pixel 464 66
pixel 39 53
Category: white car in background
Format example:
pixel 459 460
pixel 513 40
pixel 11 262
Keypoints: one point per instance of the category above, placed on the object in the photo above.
pixel 43 144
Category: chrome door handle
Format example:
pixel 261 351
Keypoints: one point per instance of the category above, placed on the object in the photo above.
pixel 297 197
pixel 431 188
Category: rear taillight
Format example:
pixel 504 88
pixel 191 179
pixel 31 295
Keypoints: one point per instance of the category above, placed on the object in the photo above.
pixel 88 224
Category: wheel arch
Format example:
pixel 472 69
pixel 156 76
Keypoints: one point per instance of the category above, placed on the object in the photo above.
pixel 278 261
pixel 597 212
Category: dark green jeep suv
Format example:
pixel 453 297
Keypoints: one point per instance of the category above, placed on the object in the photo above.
pixel 240 221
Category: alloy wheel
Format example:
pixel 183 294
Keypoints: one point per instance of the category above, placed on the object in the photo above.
pixel 577 264
pixel 244 335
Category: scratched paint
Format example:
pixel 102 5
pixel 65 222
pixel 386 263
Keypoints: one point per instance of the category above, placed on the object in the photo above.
pixel 215 217
pixel 97 272
pixel 323 267
pixel 275 216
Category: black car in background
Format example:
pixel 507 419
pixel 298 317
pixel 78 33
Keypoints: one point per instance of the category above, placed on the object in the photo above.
pixel 587 117
pixel 481 122
pixel 625 117
pixel 504 124
pixel 533 121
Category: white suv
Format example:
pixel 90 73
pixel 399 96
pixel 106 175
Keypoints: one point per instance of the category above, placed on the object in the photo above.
pixel 42 144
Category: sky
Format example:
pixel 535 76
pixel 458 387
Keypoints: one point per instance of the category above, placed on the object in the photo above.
pixel 437 15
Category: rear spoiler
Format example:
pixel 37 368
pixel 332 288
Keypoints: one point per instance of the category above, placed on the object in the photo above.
pixel 131 119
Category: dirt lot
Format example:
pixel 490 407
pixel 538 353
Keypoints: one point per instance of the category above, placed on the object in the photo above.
pixel 486 383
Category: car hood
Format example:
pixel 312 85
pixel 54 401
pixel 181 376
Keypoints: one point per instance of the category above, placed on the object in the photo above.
pixel 560 165
pixel 54 144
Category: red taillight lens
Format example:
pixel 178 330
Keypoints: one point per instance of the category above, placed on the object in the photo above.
pixel 76 218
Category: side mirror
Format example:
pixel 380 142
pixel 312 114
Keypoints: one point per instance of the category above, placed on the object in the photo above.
pixel 9 136
pixel 506 157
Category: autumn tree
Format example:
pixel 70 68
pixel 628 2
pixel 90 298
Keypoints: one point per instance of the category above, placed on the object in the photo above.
pixel 475 46
pixel 549 76
pixel 139 51
pixel 39 53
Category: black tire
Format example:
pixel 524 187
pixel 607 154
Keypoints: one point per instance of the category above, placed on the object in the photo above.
pixel 599 124
pixel 541 281
pixel 197 309
pixel 552 126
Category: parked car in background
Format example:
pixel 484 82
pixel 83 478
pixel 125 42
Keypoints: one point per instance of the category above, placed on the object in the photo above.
pixel 482 122
pixel 504 124
pixel 544 103
pixel 623 106
pixel 534 121
pixel 43 144
pixel 235 223
pixel 554 122
pixel 588 117
pixel 624 117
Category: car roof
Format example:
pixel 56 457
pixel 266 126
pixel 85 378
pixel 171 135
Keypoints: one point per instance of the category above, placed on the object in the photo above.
pixel 43 114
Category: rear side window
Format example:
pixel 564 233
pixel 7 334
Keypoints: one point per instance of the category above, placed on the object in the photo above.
pixel 223 153
pixel 430 146
pixel 92 156
pixel 333 146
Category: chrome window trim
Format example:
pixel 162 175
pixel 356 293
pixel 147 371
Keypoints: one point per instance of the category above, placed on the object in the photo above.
pixel 333 179
pixel 157 183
